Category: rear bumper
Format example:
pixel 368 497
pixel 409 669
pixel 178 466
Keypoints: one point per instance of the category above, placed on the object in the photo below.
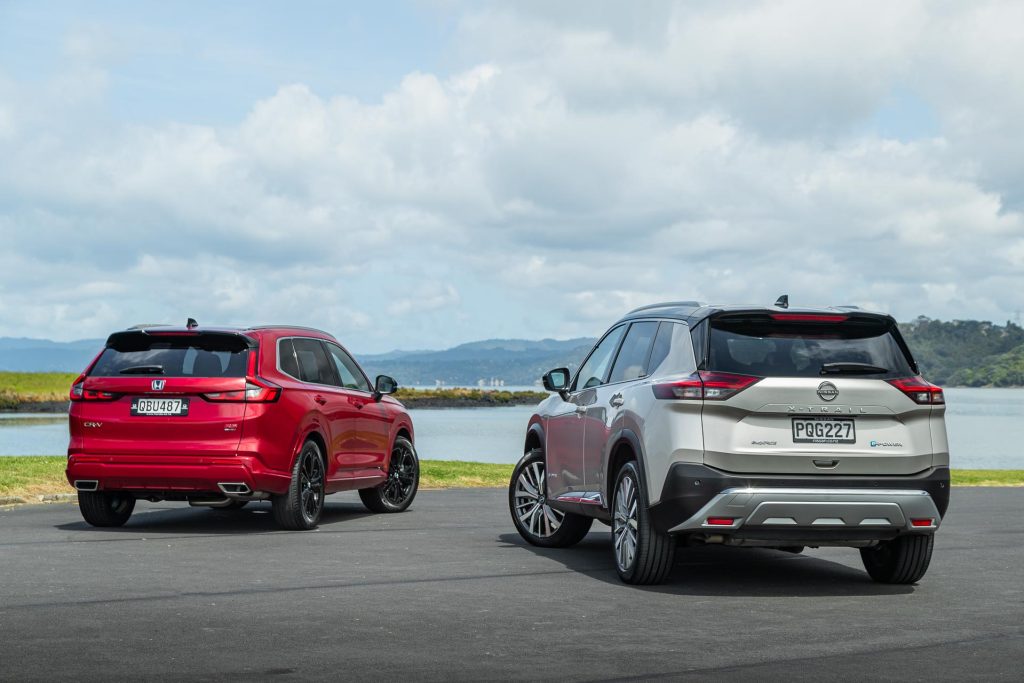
pixel 171 475
pixel 791 509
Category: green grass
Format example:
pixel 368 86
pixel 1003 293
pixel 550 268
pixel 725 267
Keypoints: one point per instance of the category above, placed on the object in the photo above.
pixel 987 477
pixel 23 387
pixel 33 475
pixel 36 475
pixel 469 395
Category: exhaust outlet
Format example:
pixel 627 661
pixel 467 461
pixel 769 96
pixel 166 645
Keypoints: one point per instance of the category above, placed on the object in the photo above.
pixel 87 484
pixel 234 489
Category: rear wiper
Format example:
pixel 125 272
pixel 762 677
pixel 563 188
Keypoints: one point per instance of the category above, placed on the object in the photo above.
pixel 852 369
pixel 143 370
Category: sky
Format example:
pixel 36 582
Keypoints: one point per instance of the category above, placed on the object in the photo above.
pixel 416 175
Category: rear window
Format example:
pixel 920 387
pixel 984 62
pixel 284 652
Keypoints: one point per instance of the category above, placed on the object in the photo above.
pixel 763 347
pixel 201 355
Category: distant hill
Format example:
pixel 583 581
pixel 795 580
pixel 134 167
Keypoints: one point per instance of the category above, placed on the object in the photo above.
pixel 514 361
pixel 968 353
pixel 954 353
pixel 21 354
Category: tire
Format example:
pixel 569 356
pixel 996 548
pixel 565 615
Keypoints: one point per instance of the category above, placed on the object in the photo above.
pixel 536 521
pixel 398 490
pixel 300 508
pixel 643 555
pixel 904 559
pixel 105 509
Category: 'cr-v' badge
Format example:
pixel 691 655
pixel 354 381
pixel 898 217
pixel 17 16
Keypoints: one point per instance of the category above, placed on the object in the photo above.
pixel 158 385
pixel 827 391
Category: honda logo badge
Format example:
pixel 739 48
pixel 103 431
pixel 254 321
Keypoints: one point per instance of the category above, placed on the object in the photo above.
pixel 158 384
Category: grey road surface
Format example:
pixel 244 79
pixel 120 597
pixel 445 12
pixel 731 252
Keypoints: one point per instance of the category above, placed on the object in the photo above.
pixel 448 591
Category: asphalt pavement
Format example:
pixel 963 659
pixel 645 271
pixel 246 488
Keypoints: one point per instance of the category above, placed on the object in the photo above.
pixel 448 591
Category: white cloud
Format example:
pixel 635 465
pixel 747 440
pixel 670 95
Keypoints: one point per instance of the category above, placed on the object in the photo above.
pixel 580 163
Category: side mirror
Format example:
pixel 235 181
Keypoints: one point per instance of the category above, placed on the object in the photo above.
pixel 384 385
pixel 557 380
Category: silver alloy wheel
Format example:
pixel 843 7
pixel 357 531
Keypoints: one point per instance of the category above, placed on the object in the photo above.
pixel 539 518
pixel 624 523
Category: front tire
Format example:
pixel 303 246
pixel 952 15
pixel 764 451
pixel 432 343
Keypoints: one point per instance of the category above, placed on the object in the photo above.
pixel 398 490
pixel 299 509
pixel 105 509
pixel 643 555
pixel 902 560
pixel 535 520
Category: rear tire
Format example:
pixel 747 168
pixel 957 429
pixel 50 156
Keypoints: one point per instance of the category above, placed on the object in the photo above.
pixel 299 509
pixel 643 555
pixel 904 559
pixel 536 521
pixel 105 509
pixel 398 490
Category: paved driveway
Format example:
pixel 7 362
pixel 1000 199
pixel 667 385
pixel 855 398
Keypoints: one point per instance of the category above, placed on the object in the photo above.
pixel 448 591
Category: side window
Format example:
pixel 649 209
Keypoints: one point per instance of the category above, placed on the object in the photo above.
pixel 314 365
pixel 662 345
pixel 632 360
pixel 595 370
pixel 350 374
pixel 699 334
pixel 286 358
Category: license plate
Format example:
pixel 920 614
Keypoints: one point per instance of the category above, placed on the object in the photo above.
pixel 160 406
pixel 823 430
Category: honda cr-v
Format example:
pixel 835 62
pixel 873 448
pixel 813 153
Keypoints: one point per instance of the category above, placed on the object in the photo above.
pixel 221 417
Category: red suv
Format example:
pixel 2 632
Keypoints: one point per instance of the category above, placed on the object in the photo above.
pixel 220 417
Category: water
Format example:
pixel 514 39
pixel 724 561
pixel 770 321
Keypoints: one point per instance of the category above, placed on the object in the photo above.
pixel 986 431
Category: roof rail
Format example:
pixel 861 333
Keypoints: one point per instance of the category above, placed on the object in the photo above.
pixel 848 307
pixel 288 327
pixel 666 304
pixel 143 326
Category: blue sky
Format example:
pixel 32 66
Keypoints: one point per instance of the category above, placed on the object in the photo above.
pixel 420 174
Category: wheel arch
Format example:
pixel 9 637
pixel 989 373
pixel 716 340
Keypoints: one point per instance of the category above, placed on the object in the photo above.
pixel 534 437
pixel 626 446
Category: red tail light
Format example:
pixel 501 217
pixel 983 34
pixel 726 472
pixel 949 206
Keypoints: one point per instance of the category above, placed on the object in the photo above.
pixel 919 391
pixel 80 393
pixel 257 390
pixel 922 522
pixel 720 521
pixel 705 385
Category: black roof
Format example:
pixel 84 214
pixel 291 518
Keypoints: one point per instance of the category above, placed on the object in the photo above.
pixel 692 312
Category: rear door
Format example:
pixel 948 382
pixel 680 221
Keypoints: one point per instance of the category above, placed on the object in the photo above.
pixel 156 393
pixel 822 402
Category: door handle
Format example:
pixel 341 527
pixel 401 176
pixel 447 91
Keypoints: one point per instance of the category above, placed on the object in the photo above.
pixel 320 399
pixel 616 400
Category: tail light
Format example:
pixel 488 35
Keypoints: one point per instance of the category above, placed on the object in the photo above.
pixel 705 385
pixel 257 389
pixel 919 391
pixel 80 393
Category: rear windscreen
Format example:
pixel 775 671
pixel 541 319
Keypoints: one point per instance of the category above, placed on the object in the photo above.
pixel 763 347
pixel 167 356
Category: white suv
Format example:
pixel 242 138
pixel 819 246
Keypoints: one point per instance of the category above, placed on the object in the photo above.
pixel 744 426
